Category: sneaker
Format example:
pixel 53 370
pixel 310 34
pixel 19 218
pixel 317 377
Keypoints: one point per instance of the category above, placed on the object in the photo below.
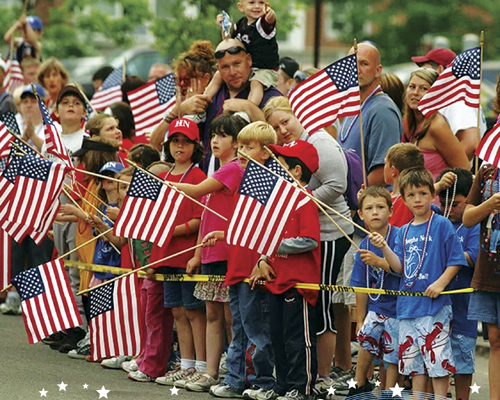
pixel 193 377
pixel 10 309
pixel 55 337
pixel 293 395
pixel 173 376
pixel 342 388
pixel 202 384
pixel 336 372
pixel 252 392
pixel 139 376
pixel 222 365
pixel 70 342
pixel 129 366
pixel 197 118
pixel 344 377
pixel 225 391
pixel 322 385
pixel 267 395
pixel 115 362
pixel 80 353
pixel 367 387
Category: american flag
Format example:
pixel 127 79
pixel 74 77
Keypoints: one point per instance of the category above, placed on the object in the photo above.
pixel 9 119
pixel 43 181
pixel 13 76
pixel 264 205
pixel 489 147
pixel 53 139
pixel 148 200
pixel 150 102
pixel 5 258
pixel 327 95
pixel 115 327
pixel 110 91
pixel 5 138
pixel 458 82
pixel 47 301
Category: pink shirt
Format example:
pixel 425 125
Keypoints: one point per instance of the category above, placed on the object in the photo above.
pixel 222 201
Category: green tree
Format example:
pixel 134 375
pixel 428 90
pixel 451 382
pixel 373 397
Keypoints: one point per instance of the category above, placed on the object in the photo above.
pixel 190 20
pixel 399 26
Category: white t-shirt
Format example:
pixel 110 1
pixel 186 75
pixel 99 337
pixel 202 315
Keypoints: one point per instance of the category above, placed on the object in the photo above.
pixel 460 116
pixel 39 131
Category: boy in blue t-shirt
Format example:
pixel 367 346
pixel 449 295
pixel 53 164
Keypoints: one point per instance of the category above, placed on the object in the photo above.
pixel 464 332
pixel 428 255
pixel 377 327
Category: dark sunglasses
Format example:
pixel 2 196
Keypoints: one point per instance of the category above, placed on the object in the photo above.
pixel 231 50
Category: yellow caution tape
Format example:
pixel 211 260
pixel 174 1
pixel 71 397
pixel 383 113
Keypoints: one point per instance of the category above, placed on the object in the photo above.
pixel 220 278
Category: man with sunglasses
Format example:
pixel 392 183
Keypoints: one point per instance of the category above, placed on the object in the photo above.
pixel 235 67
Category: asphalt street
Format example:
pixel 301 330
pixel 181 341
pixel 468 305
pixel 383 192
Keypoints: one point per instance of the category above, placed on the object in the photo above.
pixel 26 369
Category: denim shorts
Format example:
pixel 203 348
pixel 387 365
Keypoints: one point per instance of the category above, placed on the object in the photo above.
pixel 179 294
pixel 464 349
pixel 425 345
pixel 485 306
pixel 214 268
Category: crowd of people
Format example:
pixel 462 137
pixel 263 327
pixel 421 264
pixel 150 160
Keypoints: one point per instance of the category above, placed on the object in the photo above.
pixel 423 223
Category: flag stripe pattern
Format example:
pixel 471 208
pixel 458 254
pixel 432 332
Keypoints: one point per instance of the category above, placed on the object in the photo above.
pixel 489 148
pixel 327 95
pixel 110 91
pixel 47 301
pixel 263 207
pixel 150 103
pixel 53 139
pixel 13 76
pixel 43 180
pixel 5 259
pixel 458 82
pixel 5 138
pixel 148 200
pixel 115 327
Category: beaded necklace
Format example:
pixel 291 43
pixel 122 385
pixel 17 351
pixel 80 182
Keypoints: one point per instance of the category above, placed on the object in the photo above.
pixel 447 211
pixel 409 279
pixel 381 272
pixel 183 176
pixel 344 134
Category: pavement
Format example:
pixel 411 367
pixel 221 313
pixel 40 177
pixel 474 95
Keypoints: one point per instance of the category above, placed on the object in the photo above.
pixel 26 369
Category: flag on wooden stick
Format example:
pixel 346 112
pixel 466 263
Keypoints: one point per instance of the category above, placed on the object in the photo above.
pixel 110 91
pixel 13 76
pixel 47 301
pixel 489 147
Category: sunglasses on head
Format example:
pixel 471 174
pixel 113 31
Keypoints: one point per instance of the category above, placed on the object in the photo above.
pixel 231 50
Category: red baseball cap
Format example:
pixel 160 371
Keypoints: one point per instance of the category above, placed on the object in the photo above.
pixel 440 56
pixel 186 127
pixel 300 149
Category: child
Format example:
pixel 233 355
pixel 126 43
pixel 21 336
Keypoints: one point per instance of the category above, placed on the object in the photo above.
pixel 28 46
pixel 257 31
pixel 464 332
pixel 377 327
pixel 184 150
pixel 483 201
pixel 297 259
pixel 399 157
pixel 220 189
pixel 249 309
pixel 427 254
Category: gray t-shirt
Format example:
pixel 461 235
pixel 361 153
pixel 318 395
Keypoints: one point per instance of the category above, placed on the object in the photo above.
pixel 329 183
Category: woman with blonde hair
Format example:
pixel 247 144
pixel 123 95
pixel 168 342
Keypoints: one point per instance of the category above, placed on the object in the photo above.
pixel 432 135
pixel 53 76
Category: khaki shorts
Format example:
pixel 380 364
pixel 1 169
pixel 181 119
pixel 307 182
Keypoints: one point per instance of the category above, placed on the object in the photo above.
pixel 268 77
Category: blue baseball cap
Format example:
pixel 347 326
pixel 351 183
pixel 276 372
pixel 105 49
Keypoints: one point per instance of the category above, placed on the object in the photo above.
pixel 35 22
pixel 113 167
pixel 29 90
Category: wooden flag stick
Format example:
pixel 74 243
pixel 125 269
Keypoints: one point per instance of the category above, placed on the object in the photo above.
pixel 140 269
pixel 82 93
pixel 361 136
pixel 24 142
pixel 124 70
pixel 101 176
pixel 68 195
pixel 166 183
pixel 89 203
pixel 84 244
pixel 11 55
pixel 481 46
pixel 89 192
pixel 312 198
pixel 25 7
